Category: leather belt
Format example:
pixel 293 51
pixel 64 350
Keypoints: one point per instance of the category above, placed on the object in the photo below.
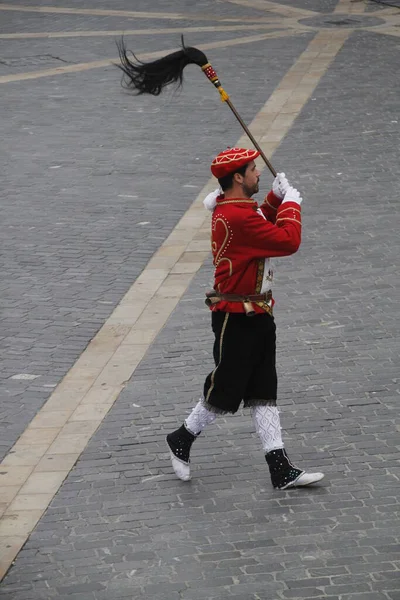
pixel 214 297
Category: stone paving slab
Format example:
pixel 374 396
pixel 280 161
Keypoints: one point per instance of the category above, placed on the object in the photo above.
pixel 122 526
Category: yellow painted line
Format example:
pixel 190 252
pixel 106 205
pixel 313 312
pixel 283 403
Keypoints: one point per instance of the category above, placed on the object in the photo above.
pixel 93 12
pixel 34 469
pixel 387 12
pixel 96 64
pixel 280 9
pixel 393 31
pixel 121 13
pixel 127 32
pixel 147 56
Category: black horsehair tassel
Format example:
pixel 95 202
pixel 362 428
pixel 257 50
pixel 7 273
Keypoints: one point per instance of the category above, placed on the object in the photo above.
pixel 153 77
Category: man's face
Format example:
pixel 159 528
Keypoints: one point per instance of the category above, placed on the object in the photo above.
pixel 250 180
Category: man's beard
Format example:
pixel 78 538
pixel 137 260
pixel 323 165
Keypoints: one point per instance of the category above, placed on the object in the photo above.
pixel 250 191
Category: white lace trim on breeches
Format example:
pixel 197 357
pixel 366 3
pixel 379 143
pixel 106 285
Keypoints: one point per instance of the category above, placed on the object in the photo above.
pixel 199 418
pixel 268 427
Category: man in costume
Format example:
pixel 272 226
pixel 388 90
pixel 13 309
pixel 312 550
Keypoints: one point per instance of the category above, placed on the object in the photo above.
pixel 244 239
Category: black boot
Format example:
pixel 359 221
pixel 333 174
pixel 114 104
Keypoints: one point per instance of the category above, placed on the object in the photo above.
pixel 285 475
pixel 180 443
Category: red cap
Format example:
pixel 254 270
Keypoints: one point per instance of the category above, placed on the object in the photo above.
pixel 231 159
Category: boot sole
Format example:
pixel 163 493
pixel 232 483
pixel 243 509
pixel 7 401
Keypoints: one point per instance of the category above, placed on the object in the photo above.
pixel 295 483
pixel 173 457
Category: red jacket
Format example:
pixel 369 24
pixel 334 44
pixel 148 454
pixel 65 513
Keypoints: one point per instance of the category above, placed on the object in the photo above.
pixel 243 238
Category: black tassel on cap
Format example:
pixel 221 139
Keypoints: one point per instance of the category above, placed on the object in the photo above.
pixel 152 77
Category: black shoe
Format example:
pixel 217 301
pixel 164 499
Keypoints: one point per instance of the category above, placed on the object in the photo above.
pixel 180 443
pixel 285 475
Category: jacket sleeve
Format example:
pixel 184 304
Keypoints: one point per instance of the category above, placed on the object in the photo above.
pixel 270 206
pixel 262 238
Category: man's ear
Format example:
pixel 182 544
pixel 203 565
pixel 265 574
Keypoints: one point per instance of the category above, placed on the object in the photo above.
pixel 238 178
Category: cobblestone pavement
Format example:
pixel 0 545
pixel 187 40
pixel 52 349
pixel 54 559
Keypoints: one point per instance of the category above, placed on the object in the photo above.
pixel 93 182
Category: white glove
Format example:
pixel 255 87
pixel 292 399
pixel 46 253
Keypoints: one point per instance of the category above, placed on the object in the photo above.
pixel 280 185
pixel 210 201
pixel 292 195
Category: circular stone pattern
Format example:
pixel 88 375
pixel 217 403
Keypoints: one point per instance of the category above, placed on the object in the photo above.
pixel 338 20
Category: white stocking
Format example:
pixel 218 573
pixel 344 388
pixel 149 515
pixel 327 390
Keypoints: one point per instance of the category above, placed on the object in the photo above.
pixel 199 418
pixel 268 427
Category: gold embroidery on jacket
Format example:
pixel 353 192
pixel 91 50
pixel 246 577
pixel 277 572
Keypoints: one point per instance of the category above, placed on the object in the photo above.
pixel 218 258
pixel 237 202
pixel 288 219
pixel 270 205
pixel 230 264
pixel 259 281
pixel 289 208
pixel 260 275
pixel 223 245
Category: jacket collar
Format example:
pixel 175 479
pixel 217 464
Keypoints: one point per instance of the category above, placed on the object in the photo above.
pixel 240 201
